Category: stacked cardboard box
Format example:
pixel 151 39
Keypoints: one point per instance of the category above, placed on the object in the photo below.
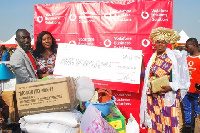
pixel 46 96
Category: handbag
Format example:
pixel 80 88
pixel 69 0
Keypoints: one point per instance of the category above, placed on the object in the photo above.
pixel 157 83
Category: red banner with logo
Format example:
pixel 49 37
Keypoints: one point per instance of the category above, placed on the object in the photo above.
pixel 112 24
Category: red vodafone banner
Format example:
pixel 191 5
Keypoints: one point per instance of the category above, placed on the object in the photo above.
pixel 111 24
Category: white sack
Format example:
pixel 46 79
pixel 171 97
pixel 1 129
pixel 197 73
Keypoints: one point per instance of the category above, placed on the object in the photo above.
pixel 48 128
pixel 71 119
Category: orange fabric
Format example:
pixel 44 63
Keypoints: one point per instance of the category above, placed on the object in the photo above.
pixel 194 71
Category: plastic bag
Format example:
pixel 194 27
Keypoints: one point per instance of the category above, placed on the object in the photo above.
pixel 132 125
pixel 85 88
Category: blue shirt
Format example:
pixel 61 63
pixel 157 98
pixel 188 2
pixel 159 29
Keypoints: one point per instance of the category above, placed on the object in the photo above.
pixel 5 56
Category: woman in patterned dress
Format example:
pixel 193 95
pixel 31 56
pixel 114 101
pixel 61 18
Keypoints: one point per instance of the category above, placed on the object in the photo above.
pixel 45 54
pixel 160 112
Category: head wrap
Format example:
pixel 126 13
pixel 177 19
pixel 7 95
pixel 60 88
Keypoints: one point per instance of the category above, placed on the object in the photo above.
pixel 169 35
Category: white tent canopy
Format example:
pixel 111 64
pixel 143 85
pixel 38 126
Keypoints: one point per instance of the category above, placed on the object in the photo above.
pixel 13 41
pixel 184 37
pixel 10 41
pixel 1 41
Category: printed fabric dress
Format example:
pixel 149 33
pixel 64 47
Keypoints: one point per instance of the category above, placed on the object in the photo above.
pixel 165 119
pixel 46 66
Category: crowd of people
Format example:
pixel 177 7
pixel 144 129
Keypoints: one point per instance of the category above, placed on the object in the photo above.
pixel 171 109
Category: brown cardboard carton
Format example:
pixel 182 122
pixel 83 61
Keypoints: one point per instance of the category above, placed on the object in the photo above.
pixel 46 96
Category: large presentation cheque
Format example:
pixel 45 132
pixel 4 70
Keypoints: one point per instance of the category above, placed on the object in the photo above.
pixel 107 64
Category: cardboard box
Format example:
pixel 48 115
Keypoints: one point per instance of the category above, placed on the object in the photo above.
pixel 46 96
pixel 116 119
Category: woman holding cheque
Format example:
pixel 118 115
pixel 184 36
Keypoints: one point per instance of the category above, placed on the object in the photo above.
pixel 166 80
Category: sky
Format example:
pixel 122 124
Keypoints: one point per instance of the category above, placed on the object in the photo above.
pixel 17 14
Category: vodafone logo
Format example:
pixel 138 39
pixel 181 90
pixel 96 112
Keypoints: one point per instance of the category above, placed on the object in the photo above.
pixel 39 19
pixel 107 43
pixel 145 42
pixel 145 15
pixel 190 66
pixel 72 42
pixel 72 17
pixel 191 63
